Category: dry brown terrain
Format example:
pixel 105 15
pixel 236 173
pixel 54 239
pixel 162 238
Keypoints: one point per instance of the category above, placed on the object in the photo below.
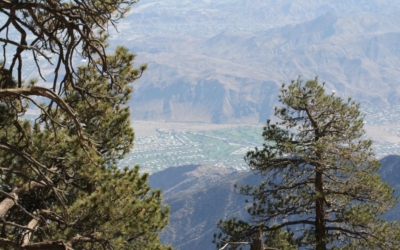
pixel 235 76
pixel 381 134
pixel 148 128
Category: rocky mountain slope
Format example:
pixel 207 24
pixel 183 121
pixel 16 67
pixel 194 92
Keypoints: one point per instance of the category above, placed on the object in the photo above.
pixel 223 61
pixel 199 196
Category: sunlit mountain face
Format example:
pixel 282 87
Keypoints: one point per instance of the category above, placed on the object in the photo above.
pixel 224 61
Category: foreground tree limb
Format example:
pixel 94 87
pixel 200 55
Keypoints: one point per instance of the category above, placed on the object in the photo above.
pixel 62 137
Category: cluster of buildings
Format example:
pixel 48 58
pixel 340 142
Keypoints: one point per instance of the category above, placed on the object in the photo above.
pixel 382 115
pixel 383 149
pixel 178 148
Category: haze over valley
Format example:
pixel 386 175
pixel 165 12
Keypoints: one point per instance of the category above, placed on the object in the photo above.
pixel 224 61
pixel 200 124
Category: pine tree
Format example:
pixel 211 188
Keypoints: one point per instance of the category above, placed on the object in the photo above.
pixel 319 176
pixel 237 234
pixel 60 187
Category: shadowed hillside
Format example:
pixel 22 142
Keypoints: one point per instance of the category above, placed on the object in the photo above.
pixel 199 196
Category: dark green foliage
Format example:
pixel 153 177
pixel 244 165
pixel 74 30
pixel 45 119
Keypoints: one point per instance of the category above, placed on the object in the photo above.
pixel 59 185
pixel 319 176
pixel 237 231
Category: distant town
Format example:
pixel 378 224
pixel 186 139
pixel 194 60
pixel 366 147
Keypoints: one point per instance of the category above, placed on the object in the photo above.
pixel 220 148
pixel 227 147
pixel 382 116
pixel 389 119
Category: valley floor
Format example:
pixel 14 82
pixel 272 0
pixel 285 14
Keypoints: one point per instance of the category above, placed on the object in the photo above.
pixel 159 145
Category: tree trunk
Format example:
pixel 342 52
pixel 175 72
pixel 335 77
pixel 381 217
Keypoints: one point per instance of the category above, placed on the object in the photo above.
pixel 257 243
pixel 320 225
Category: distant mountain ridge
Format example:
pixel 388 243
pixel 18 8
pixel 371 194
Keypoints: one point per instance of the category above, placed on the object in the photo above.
pixel 233 75
pixel 246 12
pixel 201 195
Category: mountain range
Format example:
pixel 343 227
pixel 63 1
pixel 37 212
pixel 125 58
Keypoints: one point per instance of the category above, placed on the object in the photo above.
pixel 199 196
pixel 224 61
